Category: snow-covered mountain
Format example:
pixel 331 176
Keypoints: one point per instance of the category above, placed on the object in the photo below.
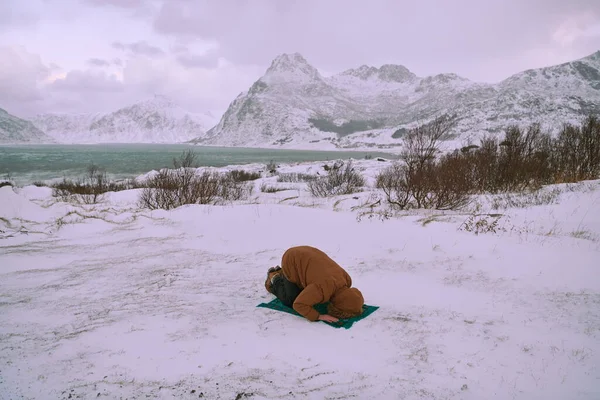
pixel 293 105
pixel 157 120
pixel 14 130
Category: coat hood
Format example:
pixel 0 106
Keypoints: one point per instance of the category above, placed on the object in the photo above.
pixel 346 303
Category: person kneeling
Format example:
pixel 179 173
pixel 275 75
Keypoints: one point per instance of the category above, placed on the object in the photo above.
pixel 308 276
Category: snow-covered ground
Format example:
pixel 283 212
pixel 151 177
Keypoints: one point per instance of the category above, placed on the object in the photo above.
pixel 110 301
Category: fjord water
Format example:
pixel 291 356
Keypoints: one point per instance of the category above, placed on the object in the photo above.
pixel 29 163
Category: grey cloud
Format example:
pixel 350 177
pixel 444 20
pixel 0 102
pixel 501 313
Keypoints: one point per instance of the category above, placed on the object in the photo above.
pixel 431 35
pixel 118 46
pixel 145 49
pixel 143 9
pixel 117 61
pixel 197 61
pixel 118 3
pixel 20 75
pixel 189 59
pixel 25 87
pixel 140 48
pixel 85 101
pixel 179 48
pixel 198 89
pixel 88 91
pixel 15 13
pixel 86 81
pixel 28 87
pixel 98 62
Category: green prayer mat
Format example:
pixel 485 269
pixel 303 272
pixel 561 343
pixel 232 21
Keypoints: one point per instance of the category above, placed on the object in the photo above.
pixel 277 305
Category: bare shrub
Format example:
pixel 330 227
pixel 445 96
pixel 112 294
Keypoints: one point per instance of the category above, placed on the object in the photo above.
pixel 528 159
pixel 525 199
pixel 420 180
pixel 590 145
pixel 7 180
pixel 577 151
pixel 442 185
pixel 483 160
pixel 340 179
pixel 89 189
pixel 187 159
pixel 449 183
pixel 265 188
pixel 232 189
pixel 126 184
pixel 421 144
pixel 269 189
pixel 172 188
pixel 295 177
pixel 427 182
pixel 394 181
pixel 523 161
pixel 239 175
pixel 481 223
pixel 66 189
pixel 271 167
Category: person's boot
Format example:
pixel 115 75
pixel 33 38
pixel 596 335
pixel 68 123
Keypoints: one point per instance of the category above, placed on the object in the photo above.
pixel 271 270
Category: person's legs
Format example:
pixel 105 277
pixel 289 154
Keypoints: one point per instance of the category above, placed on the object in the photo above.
pixel 285 290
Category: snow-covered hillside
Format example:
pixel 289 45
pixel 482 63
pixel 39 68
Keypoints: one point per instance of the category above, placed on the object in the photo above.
pixel 157 120
pixel 14 130
pixel 109 301
pixel 293 105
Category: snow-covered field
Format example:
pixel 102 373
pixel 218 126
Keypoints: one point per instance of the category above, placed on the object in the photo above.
pixel 110 301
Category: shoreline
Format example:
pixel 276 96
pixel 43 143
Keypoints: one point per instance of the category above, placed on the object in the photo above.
pixel 221 158
pixel 301 147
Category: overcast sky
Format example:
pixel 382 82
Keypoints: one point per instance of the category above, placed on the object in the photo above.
pixel 98 55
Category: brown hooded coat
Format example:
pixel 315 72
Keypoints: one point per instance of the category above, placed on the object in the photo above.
pixel 321 280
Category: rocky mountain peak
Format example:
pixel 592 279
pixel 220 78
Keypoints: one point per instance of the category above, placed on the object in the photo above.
pixel 291 68
pixel 594 56
pixel 159 101
pixel 395 73
pixel 364 72
pixel 386 73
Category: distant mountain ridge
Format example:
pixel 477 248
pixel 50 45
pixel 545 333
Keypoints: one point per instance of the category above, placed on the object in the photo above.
pixel 156 120
pixel 16 130
pixel 292 104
